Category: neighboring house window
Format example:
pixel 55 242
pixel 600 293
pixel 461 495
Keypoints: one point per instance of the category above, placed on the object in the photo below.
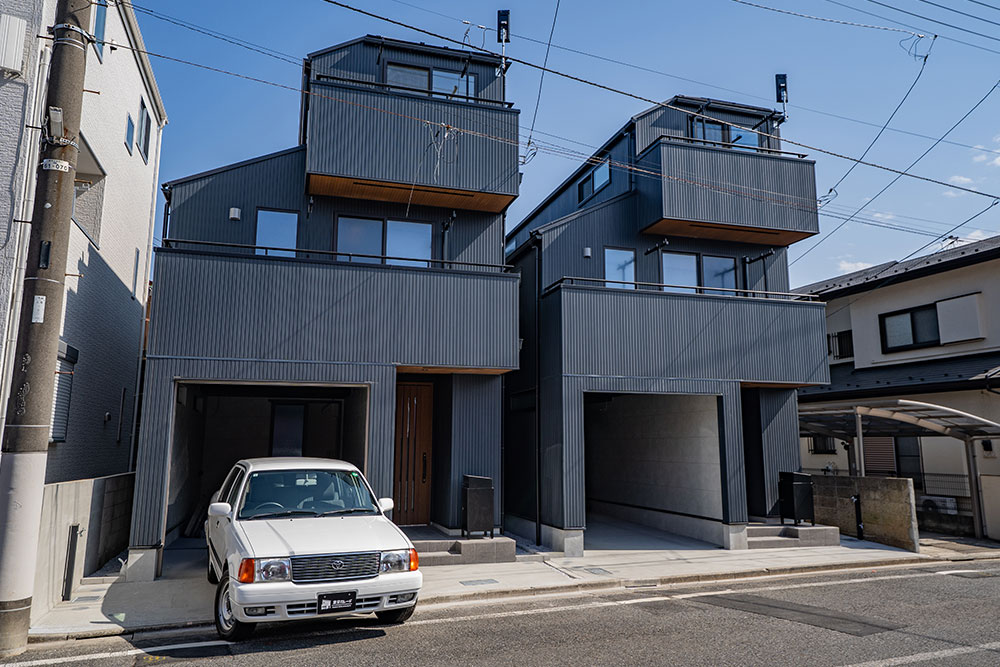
pixel 909 329
pixel 100 21
pixel 453 84
pixel 711 131
pixel 596 179
pixel 619 265
pixel 680 268
pixel 276 229
pixel 142 141
pixel 841 344
pixel 65 366
pixel 823 444
pixel 718 272
pixel 405 76
pixel 129 132
pixel 707 130
pixel 409 243
pixel 908 460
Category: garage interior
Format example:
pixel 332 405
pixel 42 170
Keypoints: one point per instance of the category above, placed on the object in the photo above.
pixel 216 425
pixel 653 460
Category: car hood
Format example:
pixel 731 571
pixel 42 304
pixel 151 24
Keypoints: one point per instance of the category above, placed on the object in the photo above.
pixel 297 536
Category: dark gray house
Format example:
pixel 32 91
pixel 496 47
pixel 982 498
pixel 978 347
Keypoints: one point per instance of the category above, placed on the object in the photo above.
pixel 344 298
pixel 661 346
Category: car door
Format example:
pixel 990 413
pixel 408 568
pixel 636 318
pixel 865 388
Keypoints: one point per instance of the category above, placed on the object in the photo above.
pixel 216 526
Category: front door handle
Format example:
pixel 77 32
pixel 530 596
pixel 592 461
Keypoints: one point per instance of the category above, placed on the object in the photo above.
pixel 424 476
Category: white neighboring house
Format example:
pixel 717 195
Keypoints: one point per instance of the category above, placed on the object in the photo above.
pixel 110 244
pixel 926 329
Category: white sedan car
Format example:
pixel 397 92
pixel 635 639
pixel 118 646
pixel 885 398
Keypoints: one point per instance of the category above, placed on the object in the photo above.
pixel 297 538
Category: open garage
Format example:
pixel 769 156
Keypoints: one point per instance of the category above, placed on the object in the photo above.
pixel 216 425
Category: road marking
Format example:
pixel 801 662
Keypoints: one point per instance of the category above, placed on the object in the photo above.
pixel 930 655
pixel 114 654
pixel 542 610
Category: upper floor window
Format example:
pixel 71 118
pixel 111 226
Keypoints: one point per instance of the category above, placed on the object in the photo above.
pixel 438 82
pixel 685 272
pixel 841 344
pixel 276 229
pixel 909 329
pixel 407 77
pixel 619 265
pixel 100 24
pixel 680 268
pixel 395 242
pixel 718 272
pixel 595 179
pixel 142 140
pixel 453 84
pixel 65 368
pixel 129 132
pixel 720 133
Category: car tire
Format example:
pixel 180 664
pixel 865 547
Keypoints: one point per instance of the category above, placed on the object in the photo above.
pixel 395 616
pixel 213 578
pixel 226 624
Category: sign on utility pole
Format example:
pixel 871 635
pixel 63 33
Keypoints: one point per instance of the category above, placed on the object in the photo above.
pixel 29 410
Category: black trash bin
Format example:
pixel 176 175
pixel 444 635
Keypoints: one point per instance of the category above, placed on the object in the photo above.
pixel 477 505
pixel 795 497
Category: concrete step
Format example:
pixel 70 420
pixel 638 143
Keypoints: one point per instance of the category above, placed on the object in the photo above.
pixel 431 558
pixel 109 579
pixel 766 531
pixel 772 542
pixel 815 536
pixel 467 550
pixel 436 545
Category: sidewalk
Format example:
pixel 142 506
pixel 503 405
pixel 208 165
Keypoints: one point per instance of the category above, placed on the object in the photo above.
pixel 183 597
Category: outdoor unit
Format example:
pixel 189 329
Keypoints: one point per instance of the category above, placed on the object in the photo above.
pixel 12 30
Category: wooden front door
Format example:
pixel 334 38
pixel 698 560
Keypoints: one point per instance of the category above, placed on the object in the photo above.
pixel 411 489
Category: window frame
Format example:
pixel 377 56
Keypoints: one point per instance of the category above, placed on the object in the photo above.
pixel 144 127
pixel 700 269
pixel 604 161
pixel 100 36
pixel 129 131
pixel 836 346
pixel 464 75
pixel 256 230
pixel 887 349
pixel 620 284
pixel 815 439
pixel 719 291
pixel 696 288
pixel 435 258
pixel 71 356
pixel 727 136
pixel 408 89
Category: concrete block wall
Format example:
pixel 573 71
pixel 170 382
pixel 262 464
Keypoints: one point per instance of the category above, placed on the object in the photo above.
pixel 102 508
pixel 888 510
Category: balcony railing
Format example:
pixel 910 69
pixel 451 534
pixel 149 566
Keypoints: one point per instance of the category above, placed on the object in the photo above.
pixel 682 289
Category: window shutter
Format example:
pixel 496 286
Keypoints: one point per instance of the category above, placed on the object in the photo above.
pixel 60 404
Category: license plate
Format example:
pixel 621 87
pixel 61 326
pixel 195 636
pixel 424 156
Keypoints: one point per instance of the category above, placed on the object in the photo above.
pixel 328 603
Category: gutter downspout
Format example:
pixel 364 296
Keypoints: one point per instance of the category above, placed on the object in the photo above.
pixel 536 242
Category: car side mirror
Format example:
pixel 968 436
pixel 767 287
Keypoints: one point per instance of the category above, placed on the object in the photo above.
pixel 219 509
pixel 386 504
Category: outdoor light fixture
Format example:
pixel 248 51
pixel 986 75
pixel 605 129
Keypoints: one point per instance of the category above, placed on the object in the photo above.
pixel 234 214
pixel 587 253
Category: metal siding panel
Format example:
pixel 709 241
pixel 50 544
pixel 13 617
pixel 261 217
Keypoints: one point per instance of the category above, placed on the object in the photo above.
pixel 720 185
pixel 272 308
pixel 199 208
pixel 657 334
pixel 344 120
pixel 477 404
pixel 779 419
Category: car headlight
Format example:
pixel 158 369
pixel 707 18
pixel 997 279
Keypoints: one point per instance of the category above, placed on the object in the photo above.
pixel 273 569
pixel 403 560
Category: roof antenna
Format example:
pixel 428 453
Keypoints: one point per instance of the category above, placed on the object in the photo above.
pixel 503 37
pixel 781 92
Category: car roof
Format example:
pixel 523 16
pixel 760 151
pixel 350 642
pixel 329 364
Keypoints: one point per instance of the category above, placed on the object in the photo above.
pixel 296 463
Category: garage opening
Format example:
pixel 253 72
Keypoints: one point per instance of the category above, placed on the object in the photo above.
pixel 651 460
pixel 216 425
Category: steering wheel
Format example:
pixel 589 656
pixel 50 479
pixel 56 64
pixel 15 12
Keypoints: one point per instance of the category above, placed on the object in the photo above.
pixel 269 503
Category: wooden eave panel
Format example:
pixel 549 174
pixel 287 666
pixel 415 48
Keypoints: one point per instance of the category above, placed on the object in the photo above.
pixel 723 232
pixel 441 370
pixel 402 193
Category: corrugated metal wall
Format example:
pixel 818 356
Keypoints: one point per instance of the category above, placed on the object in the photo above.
pixel 779 420
pixel 346 121
pixel 738 188
pixel 663 122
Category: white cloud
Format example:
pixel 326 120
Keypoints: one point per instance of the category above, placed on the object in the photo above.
pixel 953 193
pixel 996 139
pixel 995 161
pixel 851 267
pixel 960 180
pixel 884 216
pixel 977 235
pixel 981 157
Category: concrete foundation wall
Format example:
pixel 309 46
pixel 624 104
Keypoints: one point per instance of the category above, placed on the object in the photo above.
pixel 102 508
pixel 655 452
pixel 888 511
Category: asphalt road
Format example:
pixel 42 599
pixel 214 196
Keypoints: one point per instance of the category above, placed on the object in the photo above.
pixel 930 614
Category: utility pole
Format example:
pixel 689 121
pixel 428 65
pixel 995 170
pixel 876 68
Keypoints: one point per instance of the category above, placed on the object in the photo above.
pixel 29 409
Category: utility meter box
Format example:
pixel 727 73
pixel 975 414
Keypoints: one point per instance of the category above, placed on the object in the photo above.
pixel 12 30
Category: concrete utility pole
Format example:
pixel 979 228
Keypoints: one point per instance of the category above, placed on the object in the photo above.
pixel 29 410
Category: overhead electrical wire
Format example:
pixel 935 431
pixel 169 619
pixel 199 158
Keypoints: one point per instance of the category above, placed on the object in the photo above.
pixel 926 18
pixel 541 80
pixel 988 6
pixel 960 12
pixel 688 112
pixel 827 20
pixel 894 180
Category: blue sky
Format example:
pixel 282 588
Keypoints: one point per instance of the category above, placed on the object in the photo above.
pixel 854 72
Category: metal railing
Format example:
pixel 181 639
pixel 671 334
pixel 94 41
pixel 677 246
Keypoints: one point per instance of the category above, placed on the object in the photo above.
pixel 731 146
pixel 395 87
pixel 928 483
pixel 347 257
pixel 676 289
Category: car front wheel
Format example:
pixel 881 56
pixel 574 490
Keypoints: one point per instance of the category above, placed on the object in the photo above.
pixel 396 615
pixel 226 624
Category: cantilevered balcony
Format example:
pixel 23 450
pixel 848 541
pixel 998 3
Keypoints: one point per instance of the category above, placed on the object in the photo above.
pixel 721 191
pixel 641 330
pixel 387 144
pixel 333 308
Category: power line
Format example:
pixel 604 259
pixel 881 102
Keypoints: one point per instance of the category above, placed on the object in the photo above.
pixel 541 80
pixel 925 18
pixel 688 112
pixel 913 85
pixel 820 18
pixel 977 2
pixel 960 12
pixel 894 180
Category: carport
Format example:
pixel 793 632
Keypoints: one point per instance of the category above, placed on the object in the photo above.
pixel 853 420
pixel 215 425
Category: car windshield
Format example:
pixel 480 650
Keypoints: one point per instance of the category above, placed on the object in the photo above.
pixel 274 493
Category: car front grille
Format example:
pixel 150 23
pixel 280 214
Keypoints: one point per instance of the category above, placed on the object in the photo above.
pixel 335 567
pixel 309 608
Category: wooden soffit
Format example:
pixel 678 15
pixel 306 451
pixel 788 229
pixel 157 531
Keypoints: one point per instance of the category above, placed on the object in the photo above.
pixel 724 232
pixel 401 193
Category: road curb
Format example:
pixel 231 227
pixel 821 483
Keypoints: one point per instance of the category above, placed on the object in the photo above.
pixel 580 586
